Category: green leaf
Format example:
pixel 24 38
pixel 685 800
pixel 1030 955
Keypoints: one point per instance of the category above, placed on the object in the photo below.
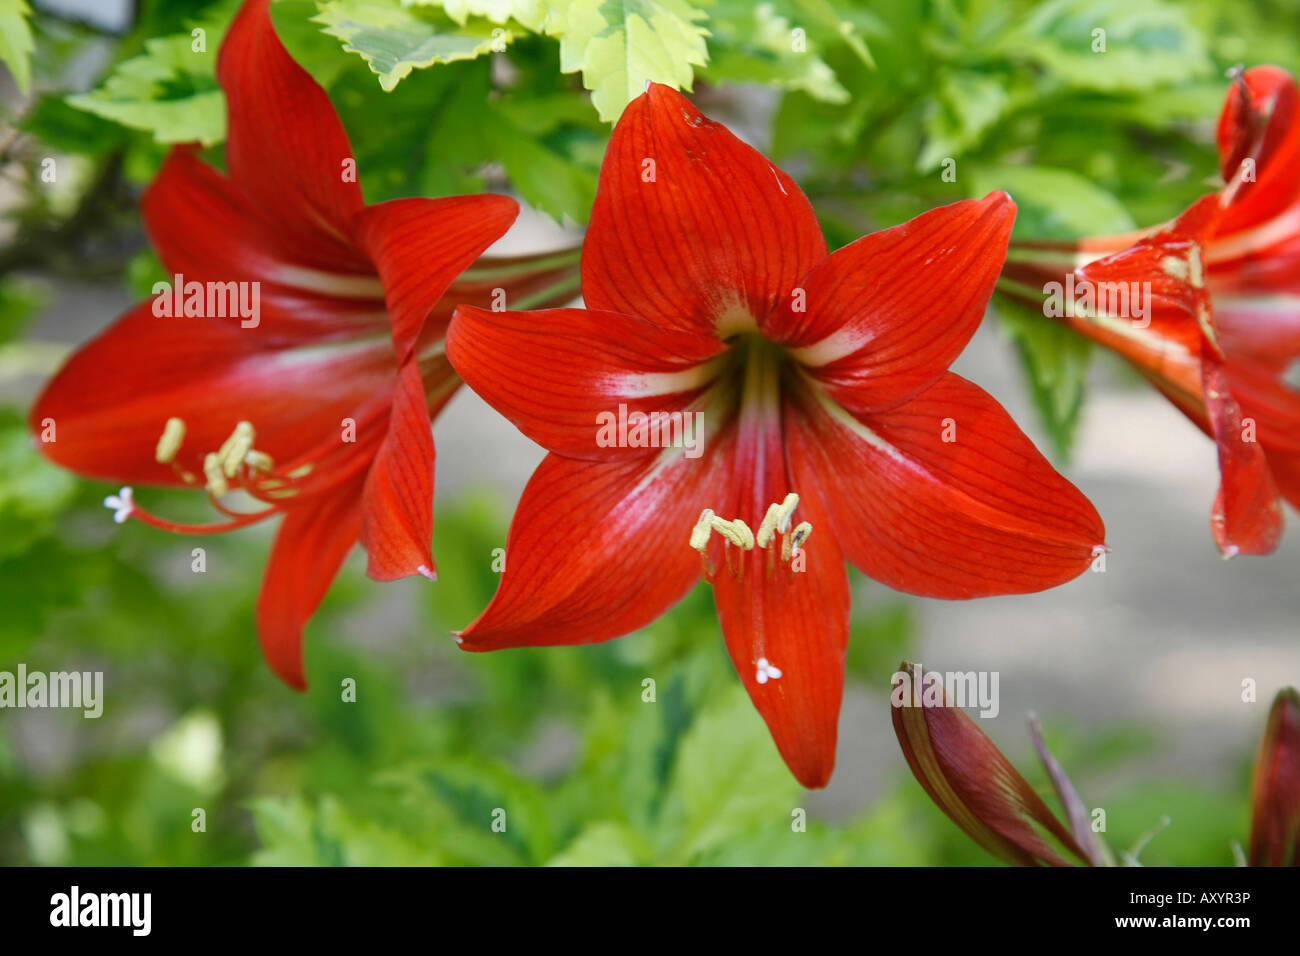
pixel 528 13
pixel 170 90
pixel 544 177
pixel 1055 360
pixel 1052 203
pixel 605 844
pixel 729 778
pixel 753 44
pixel 1147 43
pixel 620 45
pixel 32 491
pixel 395 40
pixel 966 105
pixel 16 42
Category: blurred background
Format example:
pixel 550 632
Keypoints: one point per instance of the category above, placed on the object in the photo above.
pixel 1136 672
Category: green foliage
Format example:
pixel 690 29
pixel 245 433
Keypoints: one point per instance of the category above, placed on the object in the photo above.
pixel 16 43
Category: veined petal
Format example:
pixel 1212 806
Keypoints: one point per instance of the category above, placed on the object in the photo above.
pixel 111 399
pixel 1260 122
pixel 420 246
pixel 886 315
pixel 1275 819
pixel 970 780
pixel 205 229
pixel 285 146
pixel 1247 515
pixel 691 228
pixel 310 547
pixel 397 502
pixel 597 550
pixel 573 380
pixel 944 496
pixel 786 619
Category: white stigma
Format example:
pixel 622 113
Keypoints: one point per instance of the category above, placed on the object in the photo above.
pixel 766 671
pixel 121 504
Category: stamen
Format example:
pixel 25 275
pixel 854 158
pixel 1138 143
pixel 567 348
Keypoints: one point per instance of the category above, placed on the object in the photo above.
pixel 212 470
pixel 777 519
pixel 702 530
pixel 737 532
pixel 170 442
pixel 122 504
pixel 231 453
pixel 795 541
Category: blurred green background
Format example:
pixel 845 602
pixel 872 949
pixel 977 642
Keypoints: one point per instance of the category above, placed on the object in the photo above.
pixel 563 740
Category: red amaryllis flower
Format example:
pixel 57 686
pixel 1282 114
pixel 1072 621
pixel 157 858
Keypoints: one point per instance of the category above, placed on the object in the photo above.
pixel 1275 821
pixel 1224 326
pixel 299 357
pixel 732 389
pixel 971 781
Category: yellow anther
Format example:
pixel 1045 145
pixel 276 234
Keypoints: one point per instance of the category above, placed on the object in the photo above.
pixel 216 477
pixel 703 528
pixel 777 519
pixel 737 532
pixel 259 461
pixel 170 442
pixel 232 451
pixel 796 540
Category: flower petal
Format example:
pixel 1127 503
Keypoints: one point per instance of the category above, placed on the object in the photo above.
pixel 112 398
pixel 944 496
pixel 596 550
pixel 1247 515
pixel 969 779
pixel 420 246
pixel 562 375
pixel 691 228
pixel 1275 817
pixel 285 146
pixel 886 315
pixel 310 547
pixel 1260 121
pixel 397 502
pixel 789 615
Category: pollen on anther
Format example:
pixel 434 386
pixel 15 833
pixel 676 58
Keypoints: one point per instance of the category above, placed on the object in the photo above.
pixel 170 442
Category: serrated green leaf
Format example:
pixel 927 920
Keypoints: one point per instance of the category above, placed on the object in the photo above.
pixel 170 90
pixel 965 106
pixel 545 177
pixel 528 13
pixel 621 45
pixel 394 40
pixel 16 42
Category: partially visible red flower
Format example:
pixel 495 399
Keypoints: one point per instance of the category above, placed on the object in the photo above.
pixel 1275 821
pixel 318 405
pixel 1225 327
pixel 825 408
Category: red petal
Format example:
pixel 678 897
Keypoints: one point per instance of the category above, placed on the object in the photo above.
pixel 978 515
pixel 1275 820
pixel 794 620
pixel 596 550
pixel 558 373
pixel 285 146
pixel 397 503
pixel 420 246
pixel 206 229
pixel 309 549
pixel 112 398
pixel 691 226
pixel 886 315
pixel 970 780
pixel 1261 121
pixel 1247 515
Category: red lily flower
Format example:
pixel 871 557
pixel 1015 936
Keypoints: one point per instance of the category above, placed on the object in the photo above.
pixel 972 782
pixel 1225 322
pixel 319 404
pixel 820 384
